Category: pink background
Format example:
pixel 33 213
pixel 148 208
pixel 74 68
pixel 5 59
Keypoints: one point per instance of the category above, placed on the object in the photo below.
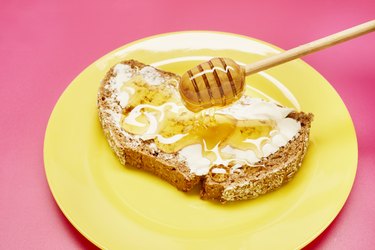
pixel 45 44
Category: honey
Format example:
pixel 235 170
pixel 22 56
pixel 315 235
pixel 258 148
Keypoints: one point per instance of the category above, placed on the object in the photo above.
pixel 158 112
pixel 215 83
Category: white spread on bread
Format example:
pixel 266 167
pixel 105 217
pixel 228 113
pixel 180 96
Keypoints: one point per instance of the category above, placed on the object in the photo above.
pixel 218 171
pixel 160 119
pixel 151 75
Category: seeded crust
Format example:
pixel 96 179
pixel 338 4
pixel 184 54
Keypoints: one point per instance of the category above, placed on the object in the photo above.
pixel 247 182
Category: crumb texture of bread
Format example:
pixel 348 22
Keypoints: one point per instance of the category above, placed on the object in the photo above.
pixel 245 182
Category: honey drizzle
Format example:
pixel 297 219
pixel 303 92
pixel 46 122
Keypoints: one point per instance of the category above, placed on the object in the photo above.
pixel 177 127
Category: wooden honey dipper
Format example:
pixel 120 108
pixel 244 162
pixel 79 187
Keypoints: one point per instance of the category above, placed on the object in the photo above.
pixel 221 81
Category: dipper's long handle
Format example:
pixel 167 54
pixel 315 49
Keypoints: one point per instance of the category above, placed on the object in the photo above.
pixel 221 81
pixel 311 47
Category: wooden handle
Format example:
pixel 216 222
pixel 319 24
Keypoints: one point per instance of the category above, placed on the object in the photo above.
pixel 311 47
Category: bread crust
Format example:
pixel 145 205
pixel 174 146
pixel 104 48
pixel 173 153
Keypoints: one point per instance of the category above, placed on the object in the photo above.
pixel 247 182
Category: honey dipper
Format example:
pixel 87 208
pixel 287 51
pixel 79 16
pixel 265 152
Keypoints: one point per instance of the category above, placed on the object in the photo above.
pixel 220 81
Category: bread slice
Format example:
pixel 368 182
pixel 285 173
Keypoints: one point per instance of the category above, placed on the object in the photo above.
pixel 245 182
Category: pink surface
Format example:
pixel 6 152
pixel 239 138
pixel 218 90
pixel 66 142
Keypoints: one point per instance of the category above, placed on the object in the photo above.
pixel 45 44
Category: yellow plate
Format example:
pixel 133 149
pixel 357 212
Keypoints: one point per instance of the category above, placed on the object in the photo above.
pixel 119 207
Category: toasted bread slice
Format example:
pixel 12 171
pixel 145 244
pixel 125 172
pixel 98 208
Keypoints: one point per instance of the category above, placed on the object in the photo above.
pixel 243 182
